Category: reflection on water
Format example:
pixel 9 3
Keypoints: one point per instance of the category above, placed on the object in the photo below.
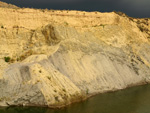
pixel 132 100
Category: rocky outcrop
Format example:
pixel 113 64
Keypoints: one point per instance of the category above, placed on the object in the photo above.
pixel 5 5
pixel 53 58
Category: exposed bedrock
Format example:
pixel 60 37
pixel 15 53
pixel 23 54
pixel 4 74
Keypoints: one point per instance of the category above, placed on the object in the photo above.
pixel 64 62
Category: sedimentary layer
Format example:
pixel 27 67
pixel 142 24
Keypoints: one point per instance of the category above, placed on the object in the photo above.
pixel 56 57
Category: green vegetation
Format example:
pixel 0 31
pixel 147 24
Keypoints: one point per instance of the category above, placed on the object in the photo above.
pixel 40 71
pixel 66 23
pixel 49 77
pixel 120 13
pixel 64 90
pixel 96 12
pixel 2 26
pixel 85 26
pixel 7 59
pixel 17 59
pixel 87 91
pixel 25 55
pixel 52 10
pixel 56 98
pixel 102 25
pixel 141 28
pixel 55 91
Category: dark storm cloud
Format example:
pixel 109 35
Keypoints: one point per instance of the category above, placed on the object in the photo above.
pixel 134 8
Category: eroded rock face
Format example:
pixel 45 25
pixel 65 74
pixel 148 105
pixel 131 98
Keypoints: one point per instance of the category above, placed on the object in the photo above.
pixel 5 5
pixel 60 57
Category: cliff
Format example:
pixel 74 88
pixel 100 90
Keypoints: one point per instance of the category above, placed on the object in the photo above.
pixel 5 5
pixel 53 58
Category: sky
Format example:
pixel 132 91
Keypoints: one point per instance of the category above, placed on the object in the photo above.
pixel 133 8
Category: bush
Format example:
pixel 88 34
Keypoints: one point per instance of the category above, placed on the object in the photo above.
pixel 2 26
pixel 7 59
pixel 102 25
pixel 66 23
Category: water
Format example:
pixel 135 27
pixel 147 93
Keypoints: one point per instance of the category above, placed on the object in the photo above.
pixel 132 100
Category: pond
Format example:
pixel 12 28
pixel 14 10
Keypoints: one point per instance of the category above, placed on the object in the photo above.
pixel 131 100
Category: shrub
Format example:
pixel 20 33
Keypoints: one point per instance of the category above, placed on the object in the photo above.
pixel 96 12
pixel 87 91
pixel 40 71
pixel 141 29
pixel 49 77
pixel 2 26
pixel 102 25
pixel 66 23
pixel 7 59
